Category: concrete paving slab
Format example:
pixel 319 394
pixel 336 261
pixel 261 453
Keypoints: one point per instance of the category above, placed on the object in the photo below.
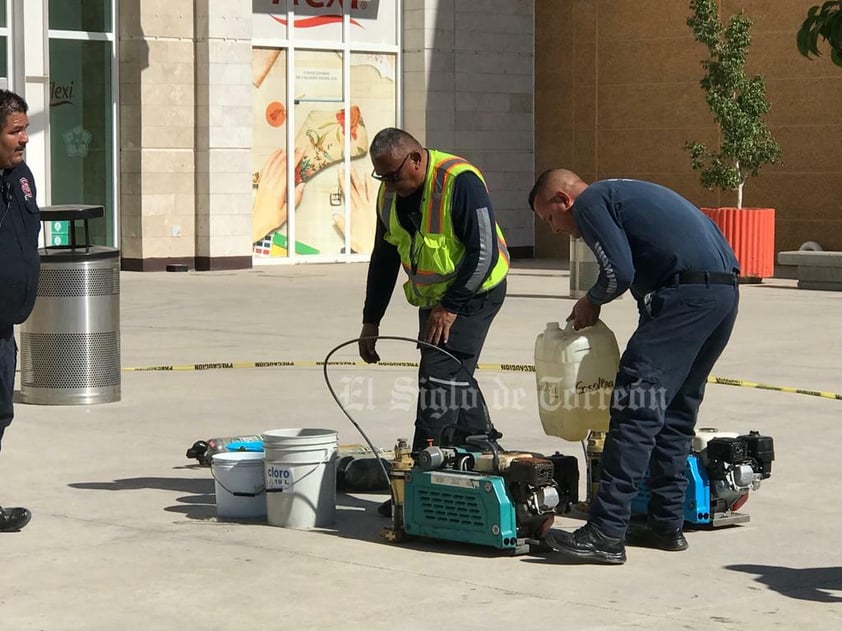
pixel 124 533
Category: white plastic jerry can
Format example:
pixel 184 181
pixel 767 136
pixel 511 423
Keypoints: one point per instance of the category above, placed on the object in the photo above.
pixel 575 373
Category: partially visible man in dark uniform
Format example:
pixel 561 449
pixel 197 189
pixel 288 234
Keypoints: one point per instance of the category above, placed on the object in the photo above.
pixel 435 219
pixel 20 223
pixel 683 274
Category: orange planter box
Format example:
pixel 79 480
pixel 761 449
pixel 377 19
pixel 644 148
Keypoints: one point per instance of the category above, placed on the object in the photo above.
pixel 751 233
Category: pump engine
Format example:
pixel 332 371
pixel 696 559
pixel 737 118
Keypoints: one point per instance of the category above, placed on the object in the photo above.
pixel 480 494
pixel 722 470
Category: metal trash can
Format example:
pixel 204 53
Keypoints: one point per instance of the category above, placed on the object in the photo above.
pixel 70 344
pixel 584 269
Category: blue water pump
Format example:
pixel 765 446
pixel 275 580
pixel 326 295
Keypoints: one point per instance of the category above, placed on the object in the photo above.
pixel 721 472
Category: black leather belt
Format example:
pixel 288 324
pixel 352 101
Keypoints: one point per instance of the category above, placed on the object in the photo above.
pixel 702 278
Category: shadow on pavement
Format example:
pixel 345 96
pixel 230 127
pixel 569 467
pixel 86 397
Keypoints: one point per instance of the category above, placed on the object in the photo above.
pixel 200 504
pixel 186 485
pixel 357 518
pixel 811 583
pixel 356 514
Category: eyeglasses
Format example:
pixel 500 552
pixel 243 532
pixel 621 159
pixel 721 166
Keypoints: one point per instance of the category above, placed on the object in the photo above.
pixel 392 176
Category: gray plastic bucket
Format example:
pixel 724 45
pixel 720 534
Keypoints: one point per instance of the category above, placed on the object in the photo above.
pixel 238 483
pixel 300 477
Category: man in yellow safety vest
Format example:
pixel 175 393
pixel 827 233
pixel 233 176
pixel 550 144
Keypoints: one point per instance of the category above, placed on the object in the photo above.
pixel 436 221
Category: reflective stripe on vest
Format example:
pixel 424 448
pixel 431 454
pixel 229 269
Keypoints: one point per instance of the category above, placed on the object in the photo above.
pixel 434 210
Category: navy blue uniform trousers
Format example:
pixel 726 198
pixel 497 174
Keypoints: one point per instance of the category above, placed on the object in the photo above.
pixel 660 384
pixel 8 362
pixel 448 395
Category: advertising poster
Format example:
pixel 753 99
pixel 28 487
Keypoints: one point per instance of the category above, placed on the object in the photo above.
pixel 329 221
pixel 318 154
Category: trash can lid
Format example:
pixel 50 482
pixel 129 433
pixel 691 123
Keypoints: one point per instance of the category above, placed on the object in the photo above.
pixel 68 254
pixel 70 212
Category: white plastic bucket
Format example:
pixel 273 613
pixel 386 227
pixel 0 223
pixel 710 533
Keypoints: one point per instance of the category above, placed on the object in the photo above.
pixel 300 477
pixel 238 481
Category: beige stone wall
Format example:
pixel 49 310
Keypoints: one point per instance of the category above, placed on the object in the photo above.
pixel 157 196
pixel 223 134
pixel 185 134
pixel 617 95
pixel 468 83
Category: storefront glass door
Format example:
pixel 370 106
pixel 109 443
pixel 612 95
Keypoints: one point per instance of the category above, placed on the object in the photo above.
pixel 82 112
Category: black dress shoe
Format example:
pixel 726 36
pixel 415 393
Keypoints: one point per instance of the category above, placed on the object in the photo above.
pixel 587 544
pixel 669 540
pixel 12 519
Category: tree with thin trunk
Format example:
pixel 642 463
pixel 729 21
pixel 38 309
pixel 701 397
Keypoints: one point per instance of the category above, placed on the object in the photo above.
pixel 738 103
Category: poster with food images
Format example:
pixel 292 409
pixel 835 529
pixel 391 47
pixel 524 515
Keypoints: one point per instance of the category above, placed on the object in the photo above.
pixel 324 213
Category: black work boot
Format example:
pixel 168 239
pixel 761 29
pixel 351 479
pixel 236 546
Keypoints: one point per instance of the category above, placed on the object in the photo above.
pixel 12 519
pixel 671 540
pixel 587 544
pixel 385 509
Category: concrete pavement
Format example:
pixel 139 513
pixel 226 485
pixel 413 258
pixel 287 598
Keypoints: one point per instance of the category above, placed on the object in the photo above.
pixel 124 534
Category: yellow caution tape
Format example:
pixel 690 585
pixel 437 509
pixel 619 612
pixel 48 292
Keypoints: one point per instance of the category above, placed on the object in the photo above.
pixel 725 381
pixel 765 386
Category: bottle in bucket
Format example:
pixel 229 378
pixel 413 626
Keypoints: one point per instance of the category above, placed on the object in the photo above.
pixel 204 450
pixel 575 373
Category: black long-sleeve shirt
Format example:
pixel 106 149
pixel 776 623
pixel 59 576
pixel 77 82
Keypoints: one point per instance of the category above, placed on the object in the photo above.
pixel 473 224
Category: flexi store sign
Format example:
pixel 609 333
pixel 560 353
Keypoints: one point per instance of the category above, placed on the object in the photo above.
pixel 372 21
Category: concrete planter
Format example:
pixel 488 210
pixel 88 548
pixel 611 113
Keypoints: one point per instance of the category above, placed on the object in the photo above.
pixel 815 270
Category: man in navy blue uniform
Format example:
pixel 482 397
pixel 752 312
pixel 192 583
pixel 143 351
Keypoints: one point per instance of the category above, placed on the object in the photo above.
pixel 20 223
pixel 683 274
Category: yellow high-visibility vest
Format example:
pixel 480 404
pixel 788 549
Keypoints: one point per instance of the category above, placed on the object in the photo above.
pixel 431 258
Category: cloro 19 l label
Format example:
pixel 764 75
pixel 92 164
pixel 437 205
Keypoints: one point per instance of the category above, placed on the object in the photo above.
pixel 279 478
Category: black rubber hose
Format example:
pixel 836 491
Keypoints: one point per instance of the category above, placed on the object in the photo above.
pixel 489 425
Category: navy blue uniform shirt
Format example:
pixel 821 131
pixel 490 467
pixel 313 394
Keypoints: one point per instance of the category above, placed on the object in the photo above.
pixel 643 234
pixel 20 223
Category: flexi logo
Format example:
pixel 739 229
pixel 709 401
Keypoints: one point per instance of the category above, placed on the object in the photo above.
pixel 61 94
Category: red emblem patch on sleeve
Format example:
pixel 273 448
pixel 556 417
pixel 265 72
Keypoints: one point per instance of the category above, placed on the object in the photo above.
pixel 24 187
